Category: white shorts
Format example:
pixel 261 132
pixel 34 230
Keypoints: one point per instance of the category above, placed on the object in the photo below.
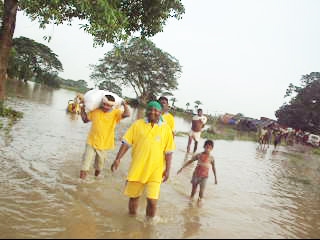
pixel 196 135
pixel 91 154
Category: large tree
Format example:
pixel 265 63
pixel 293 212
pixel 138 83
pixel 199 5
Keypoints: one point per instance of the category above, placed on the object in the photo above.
pixel 31 59
pixel 303 110
pixel 107 21
pixel 111 86
pixel 141 66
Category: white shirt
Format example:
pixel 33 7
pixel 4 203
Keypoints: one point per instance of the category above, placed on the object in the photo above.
pixel 202 118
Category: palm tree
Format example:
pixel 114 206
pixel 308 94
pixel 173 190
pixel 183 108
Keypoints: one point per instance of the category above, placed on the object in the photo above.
pixel 197 103
pixel 173 100
pixel 187 104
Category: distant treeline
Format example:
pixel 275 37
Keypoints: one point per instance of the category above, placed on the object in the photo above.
pixel 79 86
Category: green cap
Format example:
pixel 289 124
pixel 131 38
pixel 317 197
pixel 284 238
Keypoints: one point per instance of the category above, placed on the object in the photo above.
pixel 154 104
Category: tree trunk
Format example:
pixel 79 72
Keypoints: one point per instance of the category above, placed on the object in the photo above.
pixel 6 35
pixel 143 100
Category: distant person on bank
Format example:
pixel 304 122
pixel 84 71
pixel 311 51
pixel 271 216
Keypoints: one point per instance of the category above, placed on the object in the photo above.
pixel 102 133
pixel 198 122
pixel 168 117
pixel 152 147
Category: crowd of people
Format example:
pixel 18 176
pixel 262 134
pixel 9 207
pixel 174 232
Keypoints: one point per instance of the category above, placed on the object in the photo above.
pixel 152 142
pixel 275 134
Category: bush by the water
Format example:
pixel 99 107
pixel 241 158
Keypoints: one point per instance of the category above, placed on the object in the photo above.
pixel 10 114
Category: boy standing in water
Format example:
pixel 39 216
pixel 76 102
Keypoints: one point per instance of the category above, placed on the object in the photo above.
pixel 201 172
pixel 101 135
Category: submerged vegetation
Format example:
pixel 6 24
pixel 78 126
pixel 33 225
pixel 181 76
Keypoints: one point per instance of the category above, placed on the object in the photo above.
pixel 9 113
pixel 8 117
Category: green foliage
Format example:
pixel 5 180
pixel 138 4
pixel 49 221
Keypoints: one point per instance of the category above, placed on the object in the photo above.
pixel 111 86
pixel 79 86
pixel 226 132
pixel 107 21
pixel 316 151
pixel 303 111
pixel 30 59
pixel 140 65
pixel 197 103
pixel 10 113
pixel 13 116
pixel 133 102
pixel 49 79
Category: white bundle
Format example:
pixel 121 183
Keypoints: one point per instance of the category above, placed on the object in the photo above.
pixel 92 99
pixel 118 100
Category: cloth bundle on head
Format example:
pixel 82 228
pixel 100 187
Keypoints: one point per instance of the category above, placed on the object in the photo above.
pixel 93 98
pixel 105 100
pixel 154 104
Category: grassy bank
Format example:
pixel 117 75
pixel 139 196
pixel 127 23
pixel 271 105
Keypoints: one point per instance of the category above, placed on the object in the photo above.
pixel 316 151
pixel 218 131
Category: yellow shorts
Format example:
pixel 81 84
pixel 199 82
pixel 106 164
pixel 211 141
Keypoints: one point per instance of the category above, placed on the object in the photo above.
pixel 135 189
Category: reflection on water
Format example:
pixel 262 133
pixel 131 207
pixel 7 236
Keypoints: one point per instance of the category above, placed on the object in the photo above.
pixel 260 194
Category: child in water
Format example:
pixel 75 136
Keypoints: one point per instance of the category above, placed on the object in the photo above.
pixel 201 172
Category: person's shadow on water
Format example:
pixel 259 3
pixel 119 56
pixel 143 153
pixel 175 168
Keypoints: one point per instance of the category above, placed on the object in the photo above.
pixel 191 215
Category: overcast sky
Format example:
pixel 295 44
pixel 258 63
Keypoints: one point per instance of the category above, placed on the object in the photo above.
pixel 236 56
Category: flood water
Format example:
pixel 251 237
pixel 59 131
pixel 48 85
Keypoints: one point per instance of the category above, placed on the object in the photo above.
pixel 260 194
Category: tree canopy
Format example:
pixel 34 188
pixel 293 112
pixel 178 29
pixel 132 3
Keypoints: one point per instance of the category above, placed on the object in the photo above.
pixel 197 103
pixel 107 21
pixel 141 66
pixel 303 111
pixel 79 85
pixel 111 86
pixel 30 59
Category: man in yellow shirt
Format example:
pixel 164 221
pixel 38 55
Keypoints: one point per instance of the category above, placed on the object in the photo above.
pixel 101 135
pixel 168 117
pixel 152 146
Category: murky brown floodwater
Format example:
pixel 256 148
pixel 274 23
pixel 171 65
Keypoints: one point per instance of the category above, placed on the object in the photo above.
pixel 259 194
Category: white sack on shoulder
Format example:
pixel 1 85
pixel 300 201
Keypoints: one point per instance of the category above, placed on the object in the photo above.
pixel 93 98
pixel 117 99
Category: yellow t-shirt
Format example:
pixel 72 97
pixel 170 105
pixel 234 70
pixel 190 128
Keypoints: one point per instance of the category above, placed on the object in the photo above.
pixel 149 145
pixel 101 135
pixel 168 117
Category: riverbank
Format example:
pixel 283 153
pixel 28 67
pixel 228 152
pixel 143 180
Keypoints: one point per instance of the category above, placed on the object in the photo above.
pixel 304 150
pixel 218 131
